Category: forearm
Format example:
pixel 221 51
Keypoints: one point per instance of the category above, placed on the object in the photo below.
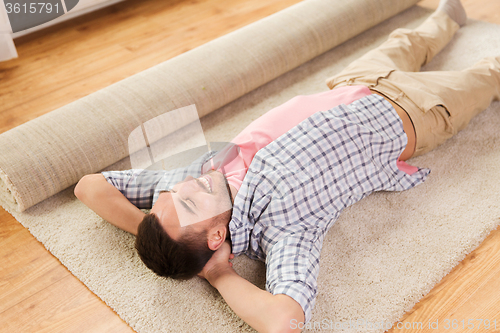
pixel 109 203
pixel 260 309
pixel 122 215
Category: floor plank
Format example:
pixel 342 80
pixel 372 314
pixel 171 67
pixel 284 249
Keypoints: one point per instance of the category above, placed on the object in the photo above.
pixel 51 310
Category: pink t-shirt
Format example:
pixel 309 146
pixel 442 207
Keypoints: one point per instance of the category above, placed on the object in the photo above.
pixel 277 122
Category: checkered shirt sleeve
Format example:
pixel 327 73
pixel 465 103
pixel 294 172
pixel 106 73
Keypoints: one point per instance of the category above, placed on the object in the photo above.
pixel 292 266
pixel 137 185
pixel 142 187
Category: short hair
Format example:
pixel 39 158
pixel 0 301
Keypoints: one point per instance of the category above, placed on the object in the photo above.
pixel 178 259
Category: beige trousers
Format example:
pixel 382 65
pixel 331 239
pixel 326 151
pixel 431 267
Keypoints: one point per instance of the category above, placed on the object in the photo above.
pixel 439 103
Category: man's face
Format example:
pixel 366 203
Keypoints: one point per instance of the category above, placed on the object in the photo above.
pixel 194 201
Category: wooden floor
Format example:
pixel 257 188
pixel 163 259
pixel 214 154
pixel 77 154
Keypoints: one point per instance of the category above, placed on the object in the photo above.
pixel 63 63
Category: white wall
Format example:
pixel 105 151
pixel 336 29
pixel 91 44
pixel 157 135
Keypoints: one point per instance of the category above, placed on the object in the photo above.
pixel 7 47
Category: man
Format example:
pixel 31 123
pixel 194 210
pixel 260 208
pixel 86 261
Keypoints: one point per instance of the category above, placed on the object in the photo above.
pixel 298 167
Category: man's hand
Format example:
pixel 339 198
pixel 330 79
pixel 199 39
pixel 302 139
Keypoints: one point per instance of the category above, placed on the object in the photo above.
pixel 219 263
pixel 260 309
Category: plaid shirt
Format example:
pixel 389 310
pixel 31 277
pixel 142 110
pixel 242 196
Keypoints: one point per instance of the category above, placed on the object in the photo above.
pixel 297 186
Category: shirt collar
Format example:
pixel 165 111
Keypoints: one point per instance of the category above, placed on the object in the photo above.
pixel 240 237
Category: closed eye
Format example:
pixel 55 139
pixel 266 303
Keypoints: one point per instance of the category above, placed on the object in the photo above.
pixel 189 209
pixel 184 204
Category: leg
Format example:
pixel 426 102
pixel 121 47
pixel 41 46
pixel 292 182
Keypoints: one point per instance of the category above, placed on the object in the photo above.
pixel 440 104
pixel 405 50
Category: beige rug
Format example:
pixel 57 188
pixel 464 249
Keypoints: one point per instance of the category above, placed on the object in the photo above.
pixel 378 260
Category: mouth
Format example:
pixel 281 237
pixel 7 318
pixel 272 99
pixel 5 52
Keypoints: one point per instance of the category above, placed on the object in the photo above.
pixel 206 181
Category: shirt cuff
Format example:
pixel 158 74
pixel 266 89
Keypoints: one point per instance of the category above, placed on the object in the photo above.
pixel 301 293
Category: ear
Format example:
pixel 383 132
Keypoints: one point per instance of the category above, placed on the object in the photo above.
pixel 216 237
